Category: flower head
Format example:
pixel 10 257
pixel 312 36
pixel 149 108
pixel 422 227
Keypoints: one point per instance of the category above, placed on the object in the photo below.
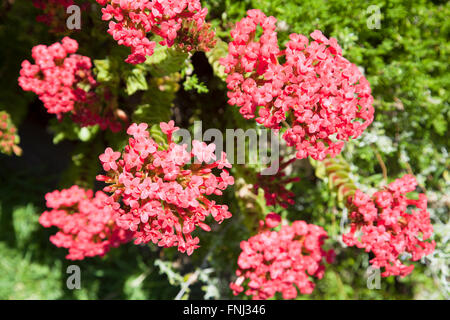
pixel 109 158
pixel 161 194
pixel 85 221
pixel 65 83
pixel 180 23
pixel 321 98
pixel 281 261
pixel 389 226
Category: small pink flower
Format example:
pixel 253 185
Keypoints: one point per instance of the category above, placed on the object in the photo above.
pixel 109 159
pixel 138 131
pixel 273 220
pixel 223 162
pixel 169 127
pixel 203 152
pixel 383 199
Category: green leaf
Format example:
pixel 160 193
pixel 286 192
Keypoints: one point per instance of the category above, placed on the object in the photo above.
pixel 192 83
pixel 103 70
pixel 66 129
pixel 166 61
pixel 156 104
pixel 136 81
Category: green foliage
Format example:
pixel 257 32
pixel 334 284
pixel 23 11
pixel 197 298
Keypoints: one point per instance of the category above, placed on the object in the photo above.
pixel 67 129
pixel 192 83
pixel 24 279
pixel 165 61
pixel 84 166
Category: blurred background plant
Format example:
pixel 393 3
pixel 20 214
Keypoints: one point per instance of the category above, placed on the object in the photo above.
pixel 406 62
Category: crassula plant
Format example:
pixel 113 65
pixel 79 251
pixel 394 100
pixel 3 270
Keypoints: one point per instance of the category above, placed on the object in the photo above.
pixel 160 193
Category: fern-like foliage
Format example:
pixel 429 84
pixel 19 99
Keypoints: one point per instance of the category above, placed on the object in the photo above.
pixel 338 173
pixel 156 104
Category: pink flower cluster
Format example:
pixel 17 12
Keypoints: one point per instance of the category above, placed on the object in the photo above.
pixel 59 77
pixel 274 186
pixel 8 135
pixel 160 192
pixel 57 74
pixel 167 19
pixel 280 261
pixel 320 97
pixel 86 225
pixel 390 225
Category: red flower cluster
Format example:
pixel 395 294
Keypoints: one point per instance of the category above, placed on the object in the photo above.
pixel 60 78
pixel 57 74
pixel 320 96
pixel 277 261
pixel 387 225
pixel 86 224
pixel 159 193
pixel 274 186
pixel 167 19
pixel 8 135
